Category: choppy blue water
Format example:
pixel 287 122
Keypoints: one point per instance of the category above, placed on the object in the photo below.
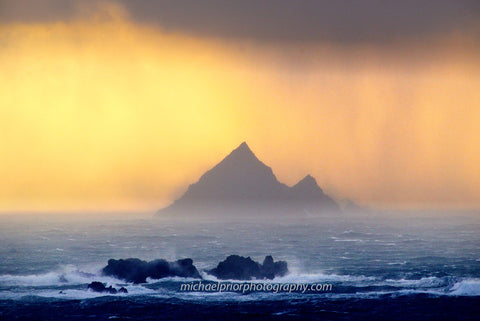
pixel 388 256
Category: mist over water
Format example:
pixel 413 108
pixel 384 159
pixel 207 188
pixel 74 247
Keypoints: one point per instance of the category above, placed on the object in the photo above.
pixel 422 252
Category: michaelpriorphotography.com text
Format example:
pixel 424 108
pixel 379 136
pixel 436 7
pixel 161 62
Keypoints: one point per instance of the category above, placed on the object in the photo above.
pixel 246 287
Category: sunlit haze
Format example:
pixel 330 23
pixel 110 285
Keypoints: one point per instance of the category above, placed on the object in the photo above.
pixel 103 112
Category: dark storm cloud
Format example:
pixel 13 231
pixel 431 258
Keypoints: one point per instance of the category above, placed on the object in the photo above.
pixel 279 20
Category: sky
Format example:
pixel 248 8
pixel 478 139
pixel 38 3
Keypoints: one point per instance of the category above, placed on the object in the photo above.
pixel 120 105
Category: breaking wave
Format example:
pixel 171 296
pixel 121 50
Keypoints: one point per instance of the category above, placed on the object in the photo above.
pixel 71 282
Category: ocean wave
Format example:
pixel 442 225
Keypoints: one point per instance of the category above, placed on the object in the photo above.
pixel 66 275
pixel 177 279
pixel 294 278
pixel 322 278
pixel 467 287
pixel 71 283
pixel 50 278
pixel 425 282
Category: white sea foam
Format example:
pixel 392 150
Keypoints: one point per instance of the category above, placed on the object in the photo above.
pixel 172 279
pixel 301 278
pixel 70 283
pixel 322 278
pixel 467 287
pixel 423 283
pixel 87 294
pixel 348 240
pixel 66 275
pixel 50 278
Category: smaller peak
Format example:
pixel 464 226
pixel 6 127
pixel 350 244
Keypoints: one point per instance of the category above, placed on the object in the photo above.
pixel 309 179
pixel 308 183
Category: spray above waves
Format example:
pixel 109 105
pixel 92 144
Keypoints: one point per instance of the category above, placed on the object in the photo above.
pixel 71 283
pixel 467 287
pixel 65 275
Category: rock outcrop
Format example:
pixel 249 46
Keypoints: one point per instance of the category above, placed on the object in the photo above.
pixel 237 267
pixel 137 271
pixel 234 267
pixel 102 288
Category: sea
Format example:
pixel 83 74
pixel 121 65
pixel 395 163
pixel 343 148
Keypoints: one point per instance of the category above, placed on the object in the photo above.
pixel 409 265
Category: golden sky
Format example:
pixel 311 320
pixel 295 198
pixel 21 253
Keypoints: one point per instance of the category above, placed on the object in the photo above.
pixel 102 112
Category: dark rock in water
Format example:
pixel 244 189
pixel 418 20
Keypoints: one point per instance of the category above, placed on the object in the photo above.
pixel 272 269
pixel 100 287
pixel 63 279
pixel 111 290
pixel 184 268
pixel 132 270
pixel 122 290
pixel 96 286
pixel 237 267
pixel 137 271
